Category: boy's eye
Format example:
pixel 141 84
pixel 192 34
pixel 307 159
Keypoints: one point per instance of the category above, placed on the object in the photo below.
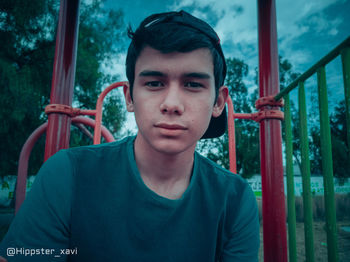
pixel 154 84
pixel 193 85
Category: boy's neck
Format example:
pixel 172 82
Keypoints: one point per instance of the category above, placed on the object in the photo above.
pixel 167 175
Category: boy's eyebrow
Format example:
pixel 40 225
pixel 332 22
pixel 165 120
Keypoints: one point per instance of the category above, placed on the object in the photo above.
pixel 200 75
pixel 151 73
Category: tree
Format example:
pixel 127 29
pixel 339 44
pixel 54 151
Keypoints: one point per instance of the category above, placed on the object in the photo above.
pixel 287 76
pixel 340 148
pixel 27 38
pixel 247 133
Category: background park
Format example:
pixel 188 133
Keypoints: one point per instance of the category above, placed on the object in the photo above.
pixel 306 33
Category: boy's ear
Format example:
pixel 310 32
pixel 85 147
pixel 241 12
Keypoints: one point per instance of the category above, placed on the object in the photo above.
pixel 220 101
pixel 128 100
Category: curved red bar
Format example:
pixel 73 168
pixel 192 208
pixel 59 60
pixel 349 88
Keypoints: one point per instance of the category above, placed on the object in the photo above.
pixel 231 135
pixel 99 104
pixel 28 147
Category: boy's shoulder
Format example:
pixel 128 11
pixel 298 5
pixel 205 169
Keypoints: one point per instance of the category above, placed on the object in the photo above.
pixel 117 143
pixel 121 144
pixel 218 175
pixel 213 166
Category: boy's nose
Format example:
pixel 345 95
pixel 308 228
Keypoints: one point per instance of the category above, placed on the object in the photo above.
pixel 172 103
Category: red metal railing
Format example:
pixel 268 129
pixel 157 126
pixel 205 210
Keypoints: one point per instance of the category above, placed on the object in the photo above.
pixel 74 115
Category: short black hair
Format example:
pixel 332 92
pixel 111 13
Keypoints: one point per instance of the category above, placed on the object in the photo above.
pixel 170 36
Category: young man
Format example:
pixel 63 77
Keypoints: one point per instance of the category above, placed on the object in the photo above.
pixel 149 197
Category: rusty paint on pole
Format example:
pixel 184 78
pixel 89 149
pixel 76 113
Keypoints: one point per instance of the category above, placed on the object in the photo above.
pixel 274 217
pixel 58 131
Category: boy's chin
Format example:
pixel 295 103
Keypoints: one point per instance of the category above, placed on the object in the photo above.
pixel 173 146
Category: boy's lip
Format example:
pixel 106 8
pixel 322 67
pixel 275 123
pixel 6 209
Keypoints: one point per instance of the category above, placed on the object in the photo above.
pixel 170 126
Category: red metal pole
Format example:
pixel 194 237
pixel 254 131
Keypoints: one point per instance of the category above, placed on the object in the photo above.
pixel 23 164
pixel 274 217
pixel 231 136
pixel 27 149
pixel 58 131
pixel 99 104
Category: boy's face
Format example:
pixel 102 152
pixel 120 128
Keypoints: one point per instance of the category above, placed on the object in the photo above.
pixel 173 98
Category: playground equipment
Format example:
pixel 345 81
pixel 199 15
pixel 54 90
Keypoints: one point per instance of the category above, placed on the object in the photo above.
pixel 326 151
pixel 74 113
pixel 61 115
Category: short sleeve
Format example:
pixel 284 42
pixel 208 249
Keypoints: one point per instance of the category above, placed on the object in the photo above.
pixel 41 227
pixel 244 239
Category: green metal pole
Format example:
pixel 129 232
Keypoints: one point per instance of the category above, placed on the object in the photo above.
pixel 305 170
pixel 290 183
pixel 345 58
pixel 324 61
pixel 327 167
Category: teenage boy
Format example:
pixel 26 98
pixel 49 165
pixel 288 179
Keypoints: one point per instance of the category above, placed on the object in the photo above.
pixel 149 197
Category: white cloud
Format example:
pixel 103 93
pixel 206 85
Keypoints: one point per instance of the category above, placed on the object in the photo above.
pixel 293 24
pixel 115 66
pixel 333 32
pixel 301 18
pixel 238 30
pixel 235 24
pixel 236 19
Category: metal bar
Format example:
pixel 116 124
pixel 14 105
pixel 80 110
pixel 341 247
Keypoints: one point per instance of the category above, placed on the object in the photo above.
pixel 23 164
pixel 345 58
pixel 99 104
pixel 327 167
pixel 58 131
pixel 290 183
pixel 305 170
pixel 322 62
pixel 28 147
pixel 231 135
pixel 87 112
pixel 84 130
pixel 273 198
pixel 92 123
pixel 248 116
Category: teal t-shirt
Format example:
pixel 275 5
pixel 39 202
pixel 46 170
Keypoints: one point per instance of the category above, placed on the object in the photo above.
pixel 90 204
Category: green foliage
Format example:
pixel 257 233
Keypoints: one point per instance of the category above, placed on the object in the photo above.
pixel 340 151
pixel 27 40
pixel 24 88
pixel 246 132
pixel 286 74
pixel 340 148
pixel 100 41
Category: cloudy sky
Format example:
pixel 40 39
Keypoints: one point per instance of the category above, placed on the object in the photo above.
pixel 307 30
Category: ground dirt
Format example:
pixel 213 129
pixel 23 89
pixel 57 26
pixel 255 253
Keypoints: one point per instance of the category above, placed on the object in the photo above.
pixel 320 242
